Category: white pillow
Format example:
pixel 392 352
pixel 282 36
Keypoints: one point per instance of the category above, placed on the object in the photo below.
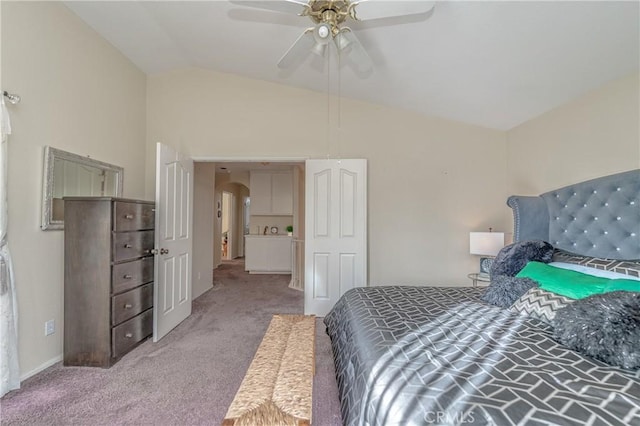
pixel 593 271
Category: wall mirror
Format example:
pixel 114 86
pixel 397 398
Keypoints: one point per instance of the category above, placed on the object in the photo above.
pixel 66 174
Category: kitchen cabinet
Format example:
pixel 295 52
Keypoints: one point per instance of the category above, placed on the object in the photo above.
pixel 271 193
pixel 268 254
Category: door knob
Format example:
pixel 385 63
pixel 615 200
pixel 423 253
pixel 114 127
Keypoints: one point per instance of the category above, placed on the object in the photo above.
pixel 164 251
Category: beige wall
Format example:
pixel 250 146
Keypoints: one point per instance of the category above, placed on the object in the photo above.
pixel 595 135
pixel 80 95
pixel 431 181
pixel 203 226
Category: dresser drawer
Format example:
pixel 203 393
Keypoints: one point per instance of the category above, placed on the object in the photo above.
pixel 133 216
pixel 125 276
pixel 127 305
pixel 132 245
pixel 126 335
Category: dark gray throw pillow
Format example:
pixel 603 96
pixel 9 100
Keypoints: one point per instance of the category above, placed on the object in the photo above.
pixel 603 326
pixel 503 290
pixel 512 258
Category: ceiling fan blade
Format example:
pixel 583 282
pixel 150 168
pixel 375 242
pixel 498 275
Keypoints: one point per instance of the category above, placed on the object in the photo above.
pixel 349 45
pixel 365 10
pixel 297 7
pixel 299 50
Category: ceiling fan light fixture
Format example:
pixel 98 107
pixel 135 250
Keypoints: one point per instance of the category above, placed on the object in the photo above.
pixel 342 42
pixel 319 49
pixel 329 17
pixel 322 33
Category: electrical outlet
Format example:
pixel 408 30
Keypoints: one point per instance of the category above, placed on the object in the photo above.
pixel 49 327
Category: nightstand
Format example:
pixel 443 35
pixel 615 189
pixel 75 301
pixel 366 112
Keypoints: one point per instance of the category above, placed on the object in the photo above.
pixel 477 277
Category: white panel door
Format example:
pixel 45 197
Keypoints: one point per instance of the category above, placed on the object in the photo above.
pixel 174 240
pixel 336 231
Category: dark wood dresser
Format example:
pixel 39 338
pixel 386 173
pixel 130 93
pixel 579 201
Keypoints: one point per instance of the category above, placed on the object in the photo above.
pixel 108 278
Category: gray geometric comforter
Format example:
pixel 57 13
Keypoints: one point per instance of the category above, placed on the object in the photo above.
pixel 435 355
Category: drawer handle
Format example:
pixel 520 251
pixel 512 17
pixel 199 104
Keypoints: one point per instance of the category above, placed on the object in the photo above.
pixel 128 216
pixel 128 306
pixel 127 277
pixel 128 335
pixel 128 246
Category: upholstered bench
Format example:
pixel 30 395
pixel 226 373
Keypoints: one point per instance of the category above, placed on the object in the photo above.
pixel 277 388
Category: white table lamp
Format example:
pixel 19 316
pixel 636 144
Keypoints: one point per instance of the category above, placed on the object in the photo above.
pixel 485 244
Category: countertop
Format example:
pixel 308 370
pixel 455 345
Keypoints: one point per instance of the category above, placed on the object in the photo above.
pixel 268 236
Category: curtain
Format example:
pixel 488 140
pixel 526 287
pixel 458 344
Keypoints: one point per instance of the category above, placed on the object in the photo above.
pixel 9 368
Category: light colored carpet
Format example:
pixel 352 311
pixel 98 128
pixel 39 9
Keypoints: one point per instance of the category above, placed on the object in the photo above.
pixel 188 378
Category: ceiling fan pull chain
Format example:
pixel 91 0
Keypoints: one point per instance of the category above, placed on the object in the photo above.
pixel 339 91
pixel 328 106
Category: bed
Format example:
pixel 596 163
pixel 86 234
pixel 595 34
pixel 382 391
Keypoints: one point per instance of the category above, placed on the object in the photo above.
pixel 435 355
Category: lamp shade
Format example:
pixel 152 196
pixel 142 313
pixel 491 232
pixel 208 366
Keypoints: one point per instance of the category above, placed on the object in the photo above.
pixel 485 243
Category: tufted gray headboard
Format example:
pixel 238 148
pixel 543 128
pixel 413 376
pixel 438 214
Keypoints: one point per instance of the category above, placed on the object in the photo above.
pixel 598 217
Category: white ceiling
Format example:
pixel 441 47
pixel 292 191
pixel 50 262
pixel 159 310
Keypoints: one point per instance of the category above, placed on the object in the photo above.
pixel 494 64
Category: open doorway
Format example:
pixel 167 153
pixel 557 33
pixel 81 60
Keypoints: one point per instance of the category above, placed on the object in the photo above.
pixel 224 224
pixel 213 177
pixel 246 215
pixel 227 228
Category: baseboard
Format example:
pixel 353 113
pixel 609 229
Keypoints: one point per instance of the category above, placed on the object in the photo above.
pixel 41 367
pixel 195 296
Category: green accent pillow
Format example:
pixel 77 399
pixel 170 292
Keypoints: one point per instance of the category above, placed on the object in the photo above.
pixel 575 285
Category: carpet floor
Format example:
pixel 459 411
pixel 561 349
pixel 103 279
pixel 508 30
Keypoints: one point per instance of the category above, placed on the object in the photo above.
pixel 190 376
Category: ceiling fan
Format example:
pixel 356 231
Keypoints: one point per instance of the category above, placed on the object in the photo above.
pixel 329 17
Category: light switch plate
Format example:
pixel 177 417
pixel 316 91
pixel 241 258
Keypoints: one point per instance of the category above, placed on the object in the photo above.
pixel 49 327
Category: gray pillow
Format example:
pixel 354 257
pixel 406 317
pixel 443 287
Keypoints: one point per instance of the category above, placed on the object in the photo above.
pixel 603 326
pixel 504 290
pixel 512 258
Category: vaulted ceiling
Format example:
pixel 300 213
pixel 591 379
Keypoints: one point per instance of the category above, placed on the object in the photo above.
pixel 494 64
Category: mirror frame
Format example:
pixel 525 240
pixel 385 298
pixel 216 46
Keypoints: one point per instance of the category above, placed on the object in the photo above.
pixel 52 154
